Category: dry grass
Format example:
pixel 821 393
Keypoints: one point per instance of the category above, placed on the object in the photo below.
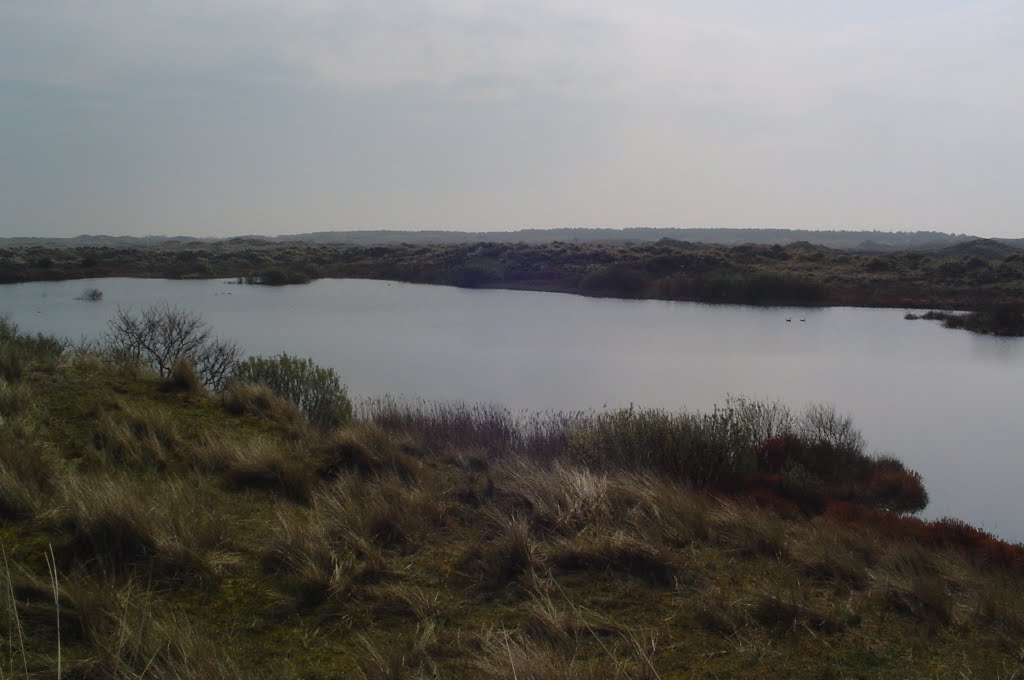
pixel 408 657
pixel 324 551
pixel 183 377
pixel 618 552
pixel 748 531
pixel 94 628
pixel 15 399
pixel 391 553
pixel 143 437
pixel 257 401
pixel 367 450
pixel 266 465
pixel 506 552
pixel 117 522
pixel 29 472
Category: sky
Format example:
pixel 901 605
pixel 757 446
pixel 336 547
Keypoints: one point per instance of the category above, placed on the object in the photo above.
pixel 229 117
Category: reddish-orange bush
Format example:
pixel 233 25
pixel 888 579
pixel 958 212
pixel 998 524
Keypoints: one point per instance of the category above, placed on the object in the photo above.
pixel 948 533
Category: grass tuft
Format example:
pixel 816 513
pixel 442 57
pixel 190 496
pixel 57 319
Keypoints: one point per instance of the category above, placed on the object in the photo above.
pixel 616 551
pixel 183 377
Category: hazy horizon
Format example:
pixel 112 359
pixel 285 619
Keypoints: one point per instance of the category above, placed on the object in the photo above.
pixel 224 118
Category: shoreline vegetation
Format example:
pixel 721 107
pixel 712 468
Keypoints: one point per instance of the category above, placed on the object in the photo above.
pixel 976 276
pixel 164 515
pixel 1007 322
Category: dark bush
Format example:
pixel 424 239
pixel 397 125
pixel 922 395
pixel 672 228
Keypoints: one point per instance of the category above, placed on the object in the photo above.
pixel 315 390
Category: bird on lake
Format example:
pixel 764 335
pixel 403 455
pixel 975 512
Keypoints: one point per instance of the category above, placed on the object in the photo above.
pixel 789 320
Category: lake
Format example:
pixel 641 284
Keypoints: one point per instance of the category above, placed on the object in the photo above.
pixel 946 402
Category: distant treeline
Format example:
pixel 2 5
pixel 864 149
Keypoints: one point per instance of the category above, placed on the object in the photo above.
pixel 863 240
pixel 974 275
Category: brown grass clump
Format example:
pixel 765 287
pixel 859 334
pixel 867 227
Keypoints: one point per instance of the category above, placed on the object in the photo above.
pixel 714 612
pixel 999 603
pixel 263 464
pixel 925 598
pixel 676 516
pixel 258 401
pixel 562 500
pixel 616 551
pixel 367 450
pixel 15 399
pixel 118 523
pixel 12 364
pixel 404 600
pixel 512 657
pixel 410 656
pixel 29 476
pixel 139 437
pixel 748 531
pixel 505 553
pixel 827 561
pixel 95 629
pixel 320 556
pixel 383 512
pixel 790 614
pixel 916 583
pixel 183 377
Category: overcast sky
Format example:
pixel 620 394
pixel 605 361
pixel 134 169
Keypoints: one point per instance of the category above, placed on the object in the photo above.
pixel 224 117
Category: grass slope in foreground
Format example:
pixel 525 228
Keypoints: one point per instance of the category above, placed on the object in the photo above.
pixel 151 529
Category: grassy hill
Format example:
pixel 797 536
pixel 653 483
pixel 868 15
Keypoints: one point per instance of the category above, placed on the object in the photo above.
pixel 151 528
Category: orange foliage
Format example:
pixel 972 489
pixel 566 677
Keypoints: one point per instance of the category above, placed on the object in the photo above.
pixel 947 533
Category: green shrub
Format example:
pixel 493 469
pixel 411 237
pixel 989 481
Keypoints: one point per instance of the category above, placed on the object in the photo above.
pixel 701 449
pixel 315 390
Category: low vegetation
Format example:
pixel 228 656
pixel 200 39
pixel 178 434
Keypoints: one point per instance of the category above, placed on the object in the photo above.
pixel 152 527
pixel 316 391
pixel 973 275
pixel 1007 320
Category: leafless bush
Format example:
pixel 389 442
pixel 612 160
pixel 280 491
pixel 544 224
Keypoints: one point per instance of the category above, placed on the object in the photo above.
pixel 822 423
pixel 91 295
pixel 162 334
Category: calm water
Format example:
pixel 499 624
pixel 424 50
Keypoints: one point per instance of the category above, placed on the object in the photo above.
pixel 946 402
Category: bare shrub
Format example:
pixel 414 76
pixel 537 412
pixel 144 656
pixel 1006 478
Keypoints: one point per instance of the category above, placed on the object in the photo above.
pixel 160 335
pixel 821 423
pixel 91 295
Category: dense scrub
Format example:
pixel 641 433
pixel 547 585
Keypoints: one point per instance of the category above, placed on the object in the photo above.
pixel 316 391
pixel 155 532
pixel 970 276
pixel 1007 320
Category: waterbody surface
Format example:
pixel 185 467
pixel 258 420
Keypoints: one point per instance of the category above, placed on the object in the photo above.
pixel 948 403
